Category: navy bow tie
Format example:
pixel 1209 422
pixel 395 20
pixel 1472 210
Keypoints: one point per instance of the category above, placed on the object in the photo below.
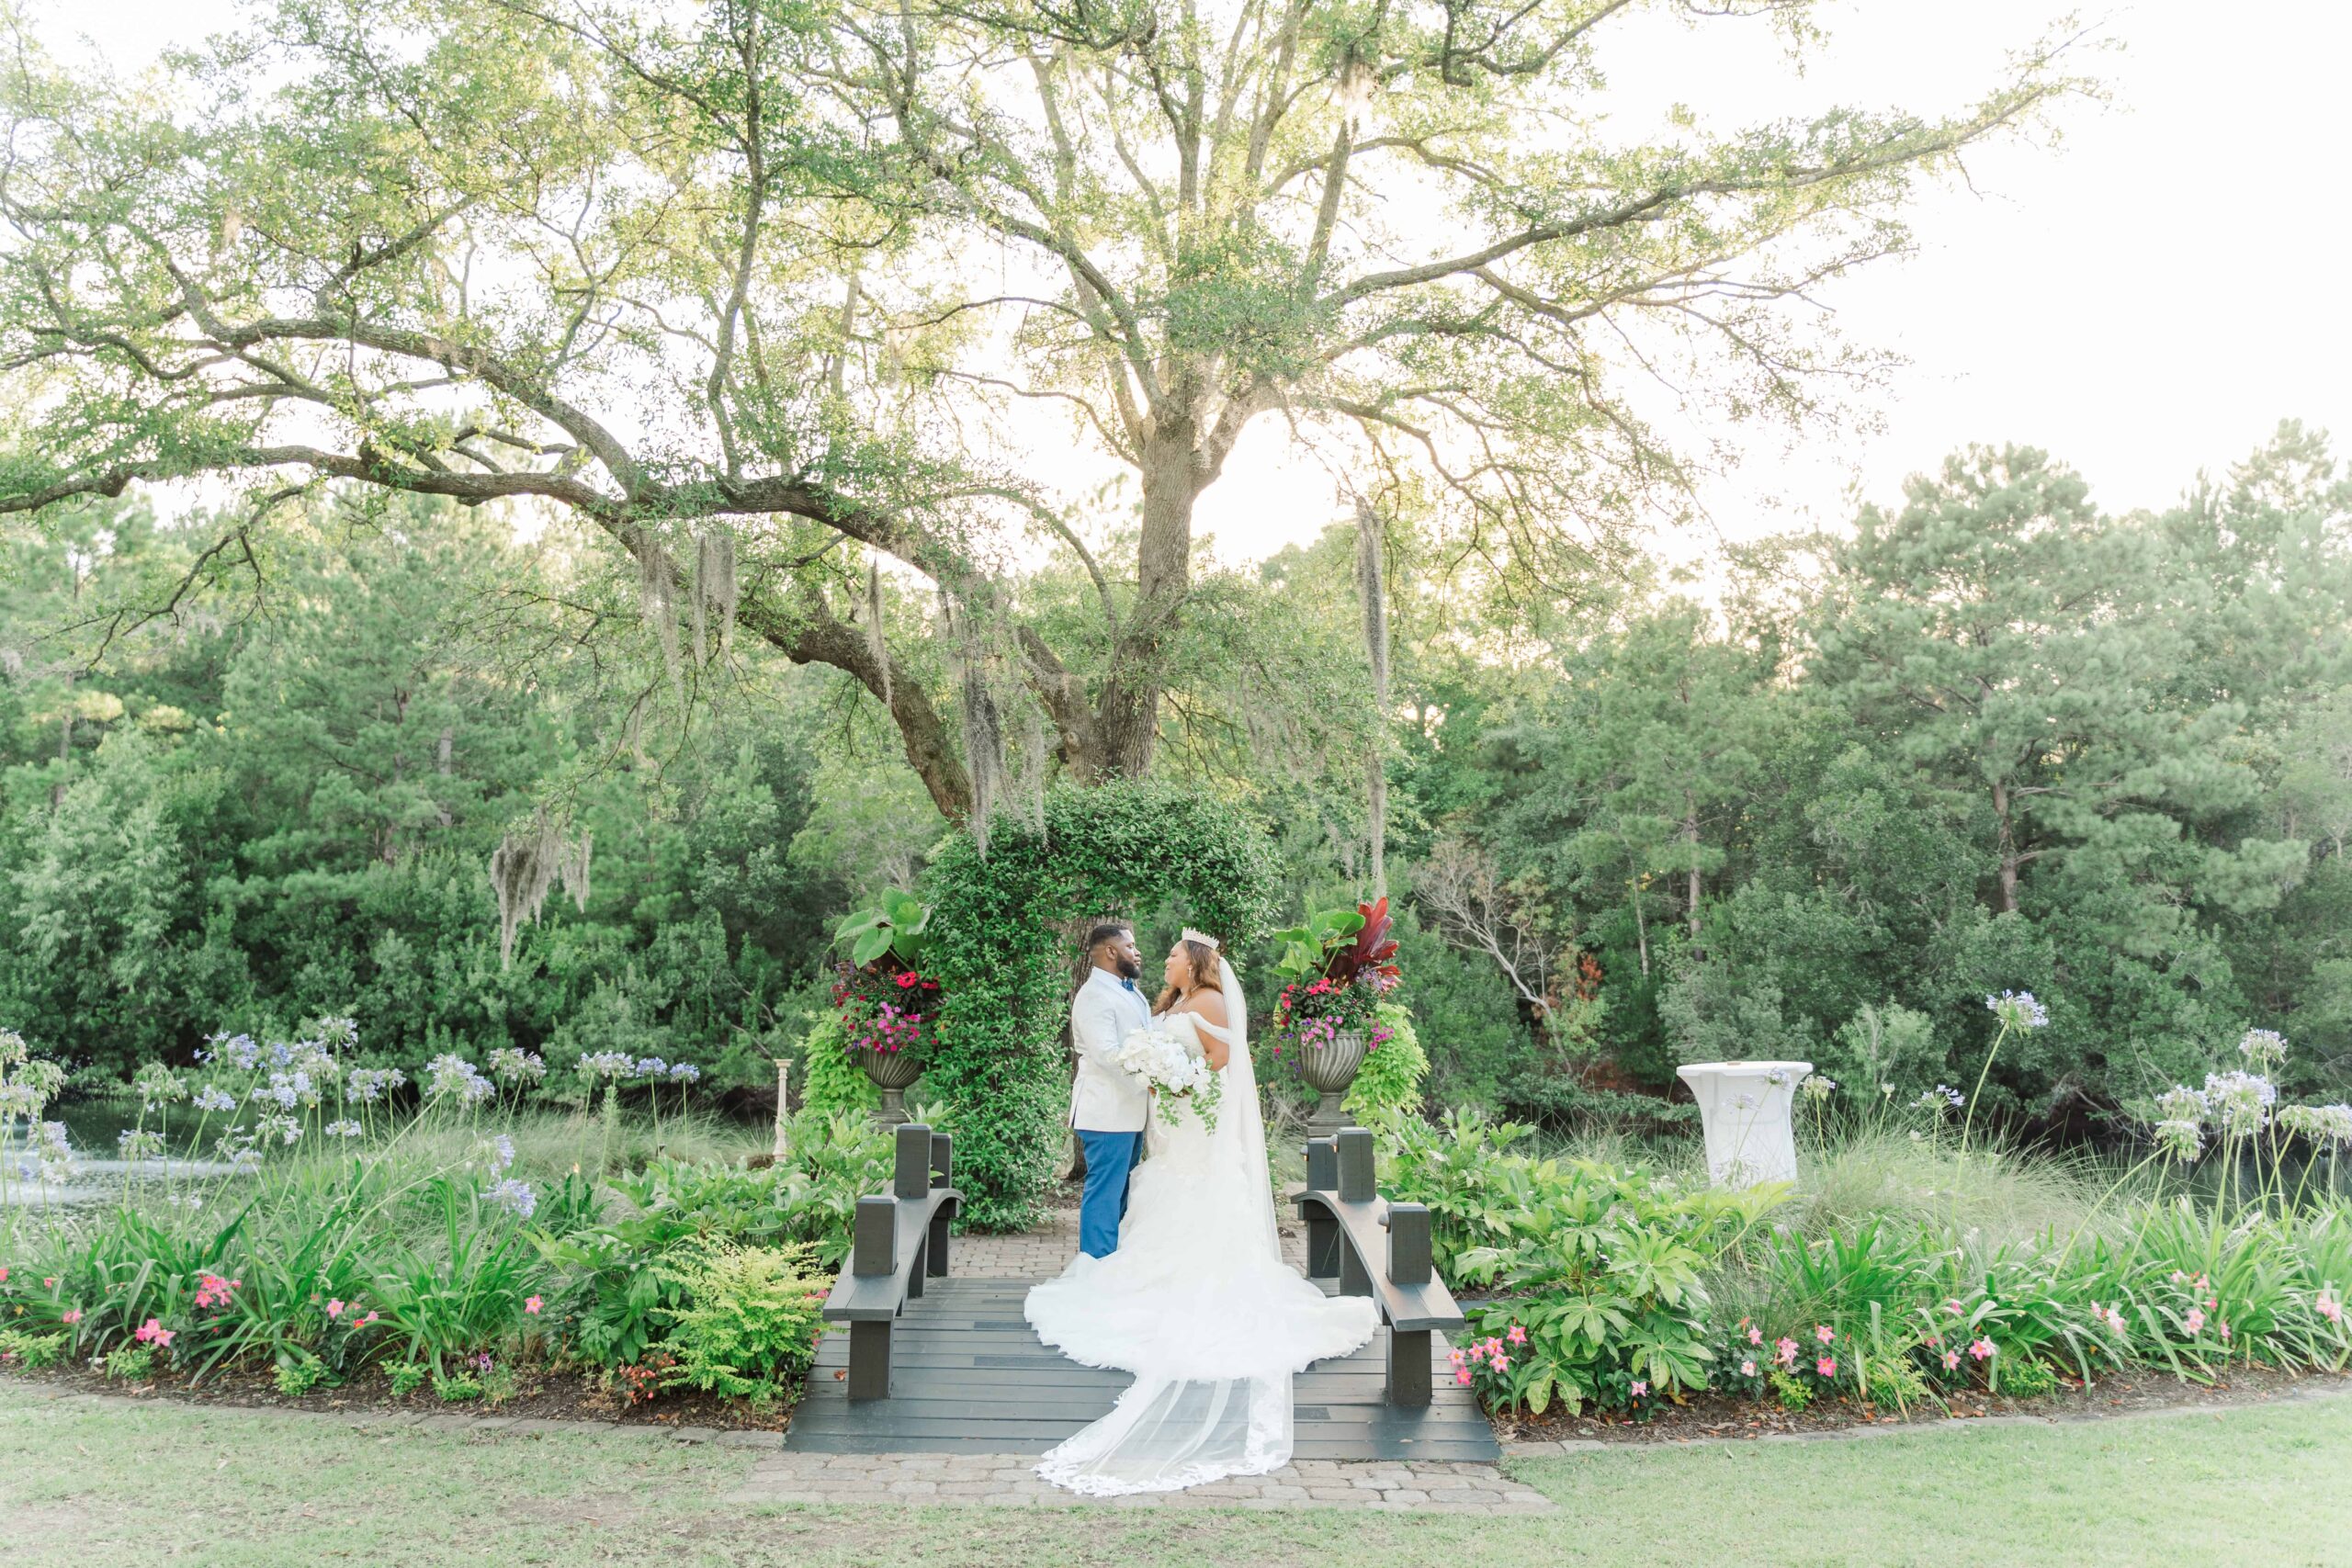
pixel 1128 982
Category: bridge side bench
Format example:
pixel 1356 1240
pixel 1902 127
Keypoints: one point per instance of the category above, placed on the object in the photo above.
pixel 897 1239
pixel 1345 1218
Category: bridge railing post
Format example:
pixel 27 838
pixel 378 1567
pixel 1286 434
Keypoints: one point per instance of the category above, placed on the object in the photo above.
pixel 943 1174
pixel 1322 1230
pixel 874 1237
pixel 1409 1264
pixel 1356 1186
pixel 911 1179
pixel 873 1251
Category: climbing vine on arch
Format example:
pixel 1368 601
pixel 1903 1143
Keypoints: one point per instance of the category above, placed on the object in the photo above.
pixel 1004 932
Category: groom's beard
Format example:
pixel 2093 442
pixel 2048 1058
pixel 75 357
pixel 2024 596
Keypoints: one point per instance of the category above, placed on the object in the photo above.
pixel 1130 968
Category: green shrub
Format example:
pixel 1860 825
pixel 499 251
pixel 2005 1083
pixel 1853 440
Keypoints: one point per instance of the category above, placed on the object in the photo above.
pixel 2028 1380
pixel 621 1283
pixel 406 1377
pixel 751 1322
pixel 1598 1269
pixel 1790 1392
pixel 457 1388
pixel 832 1082
pixel 1392 1075
pixel 1463 1168
pixel 297 1374
pixel 32 1351
pixel 130 1363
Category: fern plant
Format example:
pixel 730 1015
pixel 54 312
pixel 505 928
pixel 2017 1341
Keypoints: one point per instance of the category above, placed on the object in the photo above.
pixel 751 1320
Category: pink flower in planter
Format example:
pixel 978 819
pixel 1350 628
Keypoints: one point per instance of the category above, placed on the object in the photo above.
pixel 75 1315
pixel 1754 1335
pixel 154 1333
pixel 1747 1369
pixel 1951 1360
pixel 1952 1306
pixel 2329 1307
pixel 1825 1333
pixel 2195 1320
pixel 1785 1352
pixel 335 1309
pixel 1641 1390
pixel 1827 1365
pixel 1517 1334
pixel 1500 1363
pixel 2225 1333
pixel 1981 1349
pixel 1463 1376
pixel 1457 1356
pixel 532 1305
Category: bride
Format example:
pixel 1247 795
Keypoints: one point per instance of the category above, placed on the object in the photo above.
pixel 1197 1301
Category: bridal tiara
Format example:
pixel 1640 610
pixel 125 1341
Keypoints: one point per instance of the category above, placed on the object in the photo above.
pixel 1203 939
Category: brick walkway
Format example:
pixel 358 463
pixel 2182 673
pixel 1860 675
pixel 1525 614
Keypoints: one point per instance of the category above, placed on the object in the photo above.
pixel 1043 1253
pixel 1006 1481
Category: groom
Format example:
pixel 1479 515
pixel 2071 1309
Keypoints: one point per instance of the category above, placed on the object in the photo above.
pixel 1108 1104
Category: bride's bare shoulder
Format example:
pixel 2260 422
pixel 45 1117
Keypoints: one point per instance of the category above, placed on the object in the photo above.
pixel 1210 1005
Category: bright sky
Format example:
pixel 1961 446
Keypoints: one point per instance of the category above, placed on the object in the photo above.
pixel 2145 300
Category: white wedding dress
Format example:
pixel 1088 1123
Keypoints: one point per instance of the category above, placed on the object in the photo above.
pixel 1196 1301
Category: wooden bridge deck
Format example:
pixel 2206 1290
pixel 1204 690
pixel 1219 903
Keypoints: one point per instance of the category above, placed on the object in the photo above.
pixel 970 1376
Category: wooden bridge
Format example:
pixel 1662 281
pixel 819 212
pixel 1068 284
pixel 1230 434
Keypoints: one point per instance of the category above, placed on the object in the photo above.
pixel 936 1364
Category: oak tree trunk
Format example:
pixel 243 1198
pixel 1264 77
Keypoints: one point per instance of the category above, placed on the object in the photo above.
pixel 1129 710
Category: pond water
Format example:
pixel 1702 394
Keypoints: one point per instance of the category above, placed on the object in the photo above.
pixel 98 1176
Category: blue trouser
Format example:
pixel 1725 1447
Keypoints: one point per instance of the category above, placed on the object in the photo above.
pixel 1110 1160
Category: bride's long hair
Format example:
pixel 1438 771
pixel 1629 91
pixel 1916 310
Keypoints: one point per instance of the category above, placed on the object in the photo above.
pixel 1203 959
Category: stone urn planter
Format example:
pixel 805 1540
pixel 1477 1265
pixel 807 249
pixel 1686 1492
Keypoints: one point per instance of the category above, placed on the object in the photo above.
pixel 893 1072
pixel 1332 1069
pixel 1746 1107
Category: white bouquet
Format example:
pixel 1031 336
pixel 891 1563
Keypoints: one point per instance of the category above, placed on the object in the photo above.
pixel 1179 1072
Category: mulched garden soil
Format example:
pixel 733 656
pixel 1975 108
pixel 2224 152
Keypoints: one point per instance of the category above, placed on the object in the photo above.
pixel 1715 1417
pixel 545 1395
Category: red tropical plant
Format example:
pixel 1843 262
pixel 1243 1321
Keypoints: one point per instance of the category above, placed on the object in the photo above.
pixel 1373 950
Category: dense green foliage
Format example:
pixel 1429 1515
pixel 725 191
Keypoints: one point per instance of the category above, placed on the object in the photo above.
pixel 1624 1286
pixel 1625 834
pixel 1993 739
pixel 291 816
pixel 1005 936
pixel 452 1244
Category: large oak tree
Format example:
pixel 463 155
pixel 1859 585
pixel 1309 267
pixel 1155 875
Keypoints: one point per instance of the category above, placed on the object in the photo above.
pixel 780 273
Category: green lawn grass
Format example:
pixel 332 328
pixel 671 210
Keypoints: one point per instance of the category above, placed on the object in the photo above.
pixel 82 1484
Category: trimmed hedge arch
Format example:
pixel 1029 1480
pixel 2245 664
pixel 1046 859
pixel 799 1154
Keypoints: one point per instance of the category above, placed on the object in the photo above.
pixel 1004 932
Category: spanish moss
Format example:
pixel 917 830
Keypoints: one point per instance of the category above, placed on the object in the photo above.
pixel 526 865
